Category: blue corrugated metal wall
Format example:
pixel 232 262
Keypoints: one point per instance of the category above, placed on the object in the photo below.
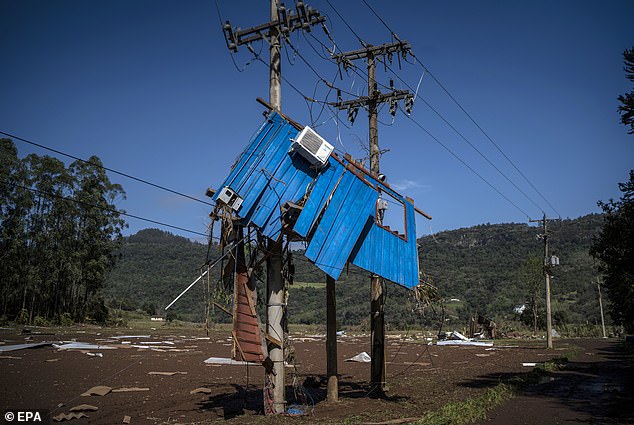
pixel 339 206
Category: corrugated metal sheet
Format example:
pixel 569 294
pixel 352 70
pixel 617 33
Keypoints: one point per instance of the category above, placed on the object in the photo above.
pixel 339 206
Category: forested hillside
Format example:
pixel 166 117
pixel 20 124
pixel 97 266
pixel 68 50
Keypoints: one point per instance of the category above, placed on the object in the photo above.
pixel 487 268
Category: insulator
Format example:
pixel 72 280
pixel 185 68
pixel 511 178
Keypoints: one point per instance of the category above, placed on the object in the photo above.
pixel 409 104
pixel 393 106
pixel 352 114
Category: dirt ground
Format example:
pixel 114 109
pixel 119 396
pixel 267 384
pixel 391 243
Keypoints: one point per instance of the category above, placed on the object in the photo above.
pixel 421 377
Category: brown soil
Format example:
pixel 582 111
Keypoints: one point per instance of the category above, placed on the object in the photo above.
pixel 420 378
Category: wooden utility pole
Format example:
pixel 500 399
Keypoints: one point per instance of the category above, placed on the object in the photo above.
pixel 549 322
pixel 371 102
pixel 601 307
pixel 331 340
pixel 282 23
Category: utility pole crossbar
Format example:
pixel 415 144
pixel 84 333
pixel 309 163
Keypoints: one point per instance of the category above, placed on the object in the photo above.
pixel 285 23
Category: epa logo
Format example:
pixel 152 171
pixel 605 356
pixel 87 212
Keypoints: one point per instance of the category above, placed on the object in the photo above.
pixel 23 416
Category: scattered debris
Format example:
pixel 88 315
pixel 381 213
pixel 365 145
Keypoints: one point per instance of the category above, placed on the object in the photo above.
pixel 99 390
pixel 296 410
pixel 201 390
pixel 11 357
pixel 5 348
pixel 84 408
pixel 362 357
pixel 554 333
pixel 126 419
pixel 482 355
pixel 167 373
pixel 529 364
pixel 129 389
pixel 131 336
pixel 69 416
pixel 94 354
pixel 53 360
pixel 227 361
pixel 456 338
pixel 68 345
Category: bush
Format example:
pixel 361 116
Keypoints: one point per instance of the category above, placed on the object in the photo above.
pixel 41 321
pixel 65 319
pixel 23 317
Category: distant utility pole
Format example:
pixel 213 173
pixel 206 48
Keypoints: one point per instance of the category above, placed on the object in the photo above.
pixel 371 102
pixel 282 22
pixel 547 267
pixel 601 307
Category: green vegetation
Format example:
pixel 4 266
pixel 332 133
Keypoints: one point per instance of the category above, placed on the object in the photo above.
pixel 58 229
pixel 614 248
pixel 626 108
pixel 486 269
pixel 471 410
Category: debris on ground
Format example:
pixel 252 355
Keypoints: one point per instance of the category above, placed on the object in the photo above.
pixel 84 408
pixel 99 390
pixel 69 416
pixel 456 338
pixel 362 357
pixel 201 390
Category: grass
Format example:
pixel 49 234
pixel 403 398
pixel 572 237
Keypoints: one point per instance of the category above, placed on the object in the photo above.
pixel 470 410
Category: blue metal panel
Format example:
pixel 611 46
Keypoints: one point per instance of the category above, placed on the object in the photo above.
pixel 338 212
pixel 382 252
pixel 343 220
pixel 322 189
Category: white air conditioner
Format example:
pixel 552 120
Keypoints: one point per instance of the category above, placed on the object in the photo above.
pixel 313 147
pixel 231 198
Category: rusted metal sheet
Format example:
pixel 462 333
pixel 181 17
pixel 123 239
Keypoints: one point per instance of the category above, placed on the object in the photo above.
pixel 247 339
pixel 337 201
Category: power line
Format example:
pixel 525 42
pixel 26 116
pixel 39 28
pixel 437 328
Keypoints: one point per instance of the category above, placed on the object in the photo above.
pixel 106 168
pixel 485 133
pixel 499 149
pixel 463 137
pixel 363 43
pixel 88 204
pixel 467 165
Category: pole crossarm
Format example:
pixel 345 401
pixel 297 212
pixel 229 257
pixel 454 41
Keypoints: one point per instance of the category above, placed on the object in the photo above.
pixel 386 49
pixel 378 98
pixel 287 21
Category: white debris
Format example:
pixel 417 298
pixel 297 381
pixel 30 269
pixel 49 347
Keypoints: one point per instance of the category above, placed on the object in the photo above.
pixel 227 361
pixel 362 357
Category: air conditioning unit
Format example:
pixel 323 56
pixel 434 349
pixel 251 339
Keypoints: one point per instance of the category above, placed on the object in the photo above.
pixel 313 147
pixel 230 198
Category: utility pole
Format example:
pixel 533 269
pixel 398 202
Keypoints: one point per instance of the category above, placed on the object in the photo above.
pixel 545 236
pixel 371 102
pixel 601 307
pixel 282 23
pixel 331 341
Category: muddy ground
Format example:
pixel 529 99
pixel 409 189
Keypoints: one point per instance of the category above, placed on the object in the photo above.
pixel 421 377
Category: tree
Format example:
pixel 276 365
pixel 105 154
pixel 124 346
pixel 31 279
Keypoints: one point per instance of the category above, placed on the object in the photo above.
pixel 614 248
pixel 626 108
pixel 58 229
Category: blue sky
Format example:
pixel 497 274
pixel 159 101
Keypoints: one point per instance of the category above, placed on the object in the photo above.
pixel 149 86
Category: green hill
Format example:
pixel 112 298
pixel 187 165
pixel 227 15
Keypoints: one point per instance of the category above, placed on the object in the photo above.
pixel 478 268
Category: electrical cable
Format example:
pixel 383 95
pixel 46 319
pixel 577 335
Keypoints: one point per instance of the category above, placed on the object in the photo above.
pixel 54 195
pixel 454 100
pixel 363 43
pixel 466 165
pixel 463 137
pixel 106 168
